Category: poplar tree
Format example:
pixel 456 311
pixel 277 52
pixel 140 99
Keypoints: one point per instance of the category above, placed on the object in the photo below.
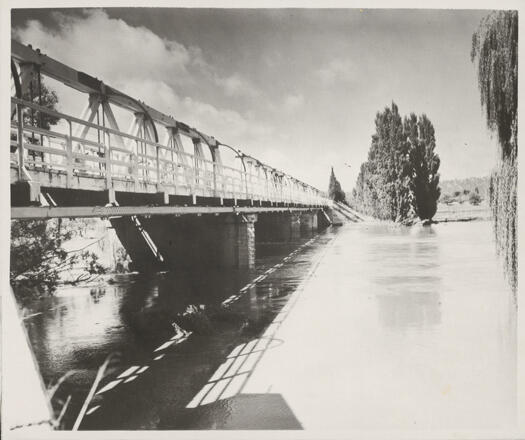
pixel 400 178
pixel 425 165
pixel 335 191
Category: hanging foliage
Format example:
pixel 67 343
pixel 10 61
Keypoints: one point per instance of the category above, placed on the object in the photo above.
pixel 495 51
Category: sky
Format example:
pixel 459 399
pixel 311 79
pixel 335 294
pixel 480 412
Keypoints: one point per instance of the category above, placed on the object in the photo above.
pixel 296 88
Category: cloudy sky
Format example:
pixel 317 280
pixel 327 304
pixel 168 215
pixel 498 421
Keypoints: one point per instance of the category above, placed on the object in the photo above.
pixel 296 88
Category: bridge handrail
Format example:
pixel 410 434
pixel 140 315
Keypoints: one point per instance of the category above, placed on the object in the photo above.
pixel 152 166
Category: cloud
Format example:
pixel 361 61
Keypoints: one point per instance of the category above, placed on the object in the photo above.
pixel 292 102
pixel 337 70
pixel 109 48
pixel 220 123
pixel 116 52
pixel 235 85
pixel 142 64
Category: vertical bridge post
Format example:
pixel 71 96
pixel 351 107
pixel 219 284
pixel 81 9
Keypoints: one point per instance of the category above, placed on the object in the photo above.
pixel 237 240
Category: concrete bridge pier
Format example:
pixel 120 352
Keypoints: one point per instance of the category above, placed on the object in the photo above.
pixel 236 240
pixel 292 222
pixel 309 223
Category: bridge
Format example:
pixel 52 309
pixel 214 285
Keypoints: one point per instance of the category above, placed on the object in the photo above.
pixel 167 188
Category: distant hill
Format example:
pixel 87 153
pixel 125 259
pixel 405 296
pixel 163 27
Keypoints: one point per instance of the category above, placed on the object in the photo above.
pixel 470 184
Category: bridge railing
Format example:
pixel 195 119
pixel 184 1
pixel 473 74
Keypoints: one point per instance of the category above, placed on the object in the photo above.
pixel 116 157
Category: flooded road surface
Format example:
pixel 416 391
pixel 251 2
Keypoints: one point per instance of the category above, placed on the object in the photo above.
pixel 365 326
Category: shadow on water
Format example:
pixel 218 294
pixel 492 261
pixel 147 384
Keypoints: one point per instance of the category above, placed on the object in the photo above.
pixel 159 399
pixel 243 411
pixel 135 315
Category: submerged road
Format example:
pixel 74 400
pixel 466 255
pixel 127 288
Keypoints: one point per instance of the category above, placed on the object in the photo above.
pixel 367 326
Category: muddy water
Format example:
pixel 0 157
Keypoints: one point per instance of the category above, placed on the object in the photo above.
pixel 416 293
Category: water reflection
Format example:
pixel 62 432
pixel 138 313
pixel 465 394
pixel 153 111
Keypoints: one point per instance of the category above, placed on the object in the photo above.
pixel 97 293
pixel 410 309
pixel 420 313
pixel 135 315
pixel 411 298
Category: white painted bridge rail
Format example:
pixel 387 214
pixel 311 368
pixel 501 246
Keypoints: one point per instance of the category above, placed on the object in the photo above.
pixel 91 152
pixel 138 164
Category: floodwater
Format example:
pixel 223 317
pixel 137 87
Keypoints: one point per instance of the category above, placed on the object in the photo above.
pixel 366 326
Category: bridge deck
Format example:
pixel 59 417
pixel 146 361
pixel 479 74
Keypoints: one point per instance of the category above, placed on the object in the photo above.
pixel 33 212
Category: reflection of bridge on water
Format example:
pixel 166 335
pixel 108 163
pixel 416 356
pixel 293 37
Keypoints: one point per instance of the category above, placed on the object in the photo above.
pixel 172 202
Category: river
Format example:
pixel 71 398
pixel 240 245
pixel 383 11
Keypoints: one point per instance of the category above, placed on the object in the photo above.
pixel 363 326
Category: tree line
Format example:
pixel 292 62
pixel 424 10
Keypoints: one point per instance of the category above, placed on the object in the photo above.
pixel 400 179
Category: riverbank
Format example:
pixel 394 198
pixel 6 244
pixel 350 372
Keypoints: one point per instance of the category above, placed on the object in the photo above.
pixel 462 212
pixel 456 212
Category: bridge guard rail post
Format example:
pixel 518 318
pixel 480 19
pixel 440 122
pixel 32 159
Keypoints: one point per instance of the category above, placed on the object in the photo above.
pixel 157 158
pixel 107 157
pixel 135 166
pixel 20 135
pixel 69 156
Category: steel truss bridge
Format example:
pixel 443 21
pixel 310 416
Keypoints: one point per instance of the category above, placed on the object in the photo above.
pixel 145 170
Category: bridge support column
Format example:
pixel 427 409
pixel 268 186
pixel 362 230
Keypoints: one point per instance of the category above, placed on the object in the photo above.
pixel 308 223
pixel 236 241
pixel 294 221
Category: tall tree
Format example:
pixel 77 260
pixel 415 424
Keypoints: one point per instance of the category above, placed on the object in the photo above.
pixel 399 179
pixel 495 51
pixel 425 165
pixel 335 191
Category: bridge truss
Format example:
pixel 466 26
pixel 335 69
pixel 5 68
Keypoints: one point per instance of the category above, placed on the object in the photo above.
pixel 91 152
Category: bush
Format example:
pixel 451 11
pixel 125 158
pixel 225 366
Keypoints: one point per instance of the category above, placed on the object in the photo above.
pixel 446 199
pixel 38 260
pixel 474 199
